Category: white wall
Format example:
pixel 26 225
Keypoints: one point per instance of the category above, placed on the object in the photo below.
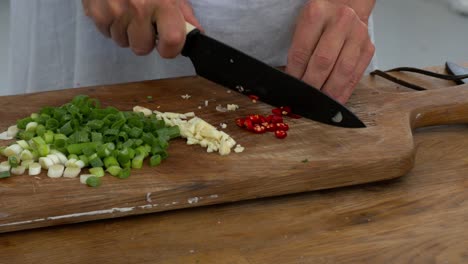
pixel 4 41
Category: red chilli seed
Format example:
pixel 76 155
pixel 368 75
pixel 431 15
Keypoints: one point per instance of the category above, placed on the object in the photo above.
pixel 259 129
pixel 271 127
pixel 254 118
pixel 240 122
pixel 282 126
pixel 281 134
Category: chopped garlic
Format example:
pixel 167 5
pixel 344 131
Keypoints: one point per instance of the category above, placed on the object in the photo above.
pixel 140 109
pixel 232 107
pixel 199 132
pixel 223 125
pixel 239 148
pixel 185 96
pixel 206 103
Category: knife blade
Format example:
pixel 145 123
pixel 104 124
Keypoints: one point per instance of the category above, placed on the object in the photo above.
pixel 242 73
pixel 455 69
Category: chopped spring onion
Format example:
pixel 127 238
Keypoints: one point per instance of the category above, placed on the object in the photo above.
pixel 26 163
pixel 4 174
pixel 98 171
pixel 155 160
pixel 45 162
pixel 93 181
pixel 71 163
pixel 5 166
pixel 124 173
pixel 71 172
pixel 26 155
pixel 34 169
pixel 137 162
pixel 62 158
pixel 80 164
pixel 18 170
pixel 55 171
pixel 31 126
pixel 12 131
pixel 12 150
pixel 114 170
pixel 23 144
pixel 14 161
pixel 84 177
pixel 54 158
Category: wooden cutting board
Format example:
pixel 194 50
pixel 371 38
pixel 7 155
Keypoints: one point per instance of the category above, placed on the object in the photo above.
pixel 314 156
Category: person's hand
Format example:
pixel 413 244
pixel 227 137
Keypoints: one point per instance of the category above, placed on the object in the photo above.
pixel 331 47
pixel 133 23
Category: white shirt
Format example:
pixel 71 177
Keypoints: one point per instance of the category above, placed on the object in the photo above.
pixel 55 46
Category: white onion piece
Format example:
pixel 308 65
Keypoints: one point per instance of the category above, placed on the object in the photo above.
pixel 34 169
pixel 55 171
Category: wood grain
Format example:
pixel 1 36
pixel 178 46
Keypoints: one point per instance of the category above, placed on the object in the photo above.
pixel 419 218
pixel 269 167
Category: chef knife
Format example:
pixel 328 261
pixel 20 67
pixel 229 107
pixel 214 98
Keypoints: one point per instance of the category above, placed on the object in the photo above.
pixel 238 71
pixel 456 69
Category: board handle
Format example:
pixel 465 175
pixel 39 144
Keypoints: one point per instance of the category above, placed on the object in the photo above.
pixel 441 106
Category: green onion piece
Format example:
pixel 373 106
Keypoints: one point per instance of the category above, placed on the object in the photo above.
pixel 2 150
pixel 40 130
pixel 141 150
pixel 72 156
pixel 98 171
pixel 23 144
pixel 34 116
pixel 135 132
pixel 26 155
pixel 123 156
pixel 4 174
pixel 43 150
pixel 13 161
pixel 31 127
pixel 110 161
pixel 137 162
pixel 124 173
pixel 23 122
pixel 48 137
pixel 38 141
pixel 66 129
pixel 93 181
pixel 95 124
pixel 96 137
pixel 174 132
pixel 127 165
pixel 138 142
pixel 155 160
pixel 114 170
pixel 52 124
pixel 103 151
pixel 60 140
pixel 26 135
pixel 131 153
pixel 95 162
pixel 84 159
pixel 129 143
pixel 89 150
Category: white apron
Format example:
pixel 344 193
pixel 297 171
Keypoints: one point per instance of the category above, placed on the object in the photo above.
pixel 54 46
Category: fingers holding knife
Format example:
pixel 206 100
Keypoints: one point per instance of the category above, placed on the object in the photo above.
pixel 134 23
pixel 331 48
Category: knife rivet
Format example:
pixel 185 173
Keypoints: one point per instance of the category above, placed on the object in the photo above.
pixel 231 61
pixel 337 118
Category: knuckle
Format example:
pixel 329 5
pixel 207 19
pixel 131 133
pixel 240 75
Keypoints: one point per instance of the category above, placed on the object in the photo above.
pixel 323 61
pixel 347 67
pixel 174 38
pixel 315 10
pixel 346 15
pixel 298 57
